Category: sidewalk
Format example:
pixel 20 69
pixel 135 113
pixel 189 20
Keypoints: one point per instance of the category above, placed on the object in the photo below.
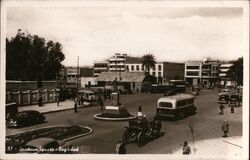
pixel 232 146
pixel 52 107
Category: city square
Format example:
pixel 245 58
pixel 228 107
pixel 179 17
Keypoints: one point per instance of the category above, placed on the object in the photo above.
pixel 125 80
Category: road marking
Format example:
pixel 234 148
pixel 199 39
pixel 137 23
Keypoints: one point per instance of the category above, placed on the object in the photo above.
pixel 233 144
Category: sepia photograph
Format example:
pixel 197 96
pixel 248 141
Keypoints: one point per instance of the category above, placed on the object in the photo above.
pixel 124 79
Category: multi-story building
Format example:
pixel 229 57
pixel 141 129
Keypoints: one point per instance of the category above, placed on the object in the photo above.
pixel 163 71
pixel 223 74
pixel 72 75
pixel 171 71
pixel 193 72
pixel 117 63
pixel 100 66
pixel 210 72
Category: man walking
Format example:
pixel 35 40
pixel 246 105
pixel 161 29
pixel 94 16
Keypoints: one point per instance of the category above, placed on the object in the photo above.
pixel 225 128
pixel 186 149
pixel 75 104
pixel 101 102
pixel 221 109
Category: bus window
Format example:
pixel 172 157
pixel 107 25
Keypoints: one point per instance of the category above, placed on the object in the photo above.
pixel 165 104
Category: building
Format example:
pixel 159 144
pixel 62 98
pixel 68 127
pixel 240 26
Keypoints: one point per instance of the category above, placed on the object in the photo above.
pixel 71 76
pixel 170 71
pixel 117 63
pixel 210 73
pixel 100 66
pixel 134 64
pixel 87 77
pixel 193 72
pixel 130 81
pixel 223 74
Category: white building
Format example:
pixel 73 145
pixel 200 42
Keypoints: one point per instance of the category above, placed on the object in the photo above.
pixel 117 63
pixel 193 72
pixel 224 80
pixel 88 81
pixel 134 64
pixel 71 76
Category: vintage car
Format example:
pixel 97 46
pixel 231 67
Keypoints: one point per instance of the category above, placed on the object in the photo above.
pixel 25 118
pixel 224 98
pixel 235 100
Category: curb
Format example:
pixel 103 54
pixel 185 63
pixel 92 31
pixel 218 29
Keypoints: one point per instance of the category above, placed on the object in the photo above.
pixel 80 135
pixel 67 139
pixel 63 109
pixel 113 119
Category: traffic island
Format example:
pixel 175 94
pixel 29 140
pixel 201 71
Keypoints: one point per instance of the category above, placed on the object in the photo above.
pixel 114 112
pixel 63 133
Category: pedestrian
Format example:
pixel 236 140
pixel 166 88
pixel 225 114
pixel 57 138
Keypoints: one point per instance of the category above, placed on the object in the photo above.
pixel 139 114
pixel 221 109
pixel 120 148
pixel 101 103
pixel 57 99
pixel 75 104
pixel 225 128
pixel 137 90
pixel 232 109
pixel 186 149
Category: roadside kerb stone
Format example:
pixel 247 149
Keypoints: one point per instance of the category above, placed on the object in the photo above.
pixel 113 119
pixel 63 109
pixel 67 139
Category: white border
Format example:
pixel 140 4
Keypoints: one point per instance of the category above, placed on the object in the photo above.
pixel 65 3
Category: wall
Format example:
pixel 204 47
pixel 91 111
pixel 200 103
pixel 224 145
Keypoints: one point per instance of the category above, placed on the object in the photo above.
pixel 29 97
pixel 86 80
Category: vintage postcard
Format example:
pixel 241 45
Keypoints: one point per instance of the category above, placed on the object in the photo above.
pixel 124 79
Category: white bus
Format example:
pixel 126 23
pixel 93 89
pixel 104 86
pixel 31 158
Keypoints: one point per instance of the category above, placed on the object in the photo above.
pixel 176 106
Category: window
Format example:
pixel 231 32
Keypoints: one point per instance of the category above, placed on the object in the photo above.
pixel 127 68
pixel 142 67
pixel 159 67
pixel 132 68
pixel 165 104
pixel 154 67
pixel 185 102
pixel 192 73
pixel 193 67
pixel 137 67
pixel 154 73
pixel 159 74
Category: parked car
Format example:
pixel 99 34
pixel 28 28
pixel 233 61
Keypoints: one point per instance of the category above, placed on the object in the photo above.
pixel 225 90
pixel 234 99
pixel 224 98
pixel 46 145
pixel 25 118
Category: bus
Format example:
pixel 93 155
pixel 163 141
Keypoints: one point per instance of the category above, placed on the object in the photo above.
pixel 176 106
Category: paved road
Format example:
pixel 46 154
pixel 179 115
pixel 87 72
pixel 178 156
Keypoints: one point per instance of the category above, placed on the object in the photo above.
pixel 206 125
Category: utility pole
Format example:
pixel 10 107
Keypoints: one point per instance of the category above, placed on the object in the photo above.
pixel 77 73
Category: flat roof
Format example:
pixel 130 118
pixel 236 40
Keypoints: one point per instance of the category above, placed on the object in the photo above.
pixel 176 97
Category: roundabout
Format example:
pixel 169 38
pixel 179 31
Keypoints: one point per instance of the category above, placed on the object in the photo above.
pixel 100 117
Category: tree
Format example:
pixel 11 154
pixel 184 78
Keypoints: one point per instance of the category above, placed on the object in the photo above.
pixel 148 61
pixel 236 71
pixel 32 58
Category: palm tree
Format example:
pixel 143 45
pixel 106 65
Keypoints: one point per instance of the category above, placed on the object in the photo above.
pixel 148 61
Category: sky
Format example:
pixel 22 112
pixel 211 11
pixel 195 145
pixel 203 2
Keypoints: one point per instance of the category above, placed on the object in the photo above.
pixel 170 34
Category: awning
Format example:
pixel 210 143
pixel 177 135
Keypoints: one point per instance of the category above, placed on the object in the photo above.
pixel 125 76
